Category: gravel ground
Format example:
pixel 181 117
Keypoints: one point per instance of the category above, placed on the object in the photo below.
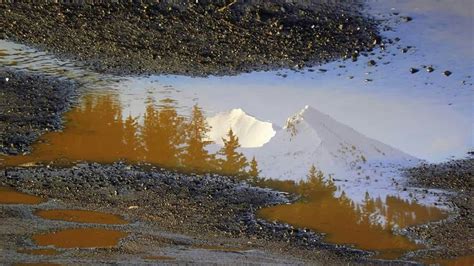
pixel 193 37
pixel 211 207
pixel 30 105
pixel 453 237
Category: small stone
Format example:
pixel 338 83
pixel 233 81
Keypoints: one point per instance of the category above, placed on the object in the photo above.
pixel 406 18
pixel 430 69
pixel 372 63
pixel 447 73
pixel 413 70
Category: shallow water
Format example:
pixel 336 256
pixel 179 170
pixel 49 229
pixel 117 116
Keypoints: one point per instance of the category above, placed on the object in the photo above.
pixel 81 216
pixel 10 196
pixel 368 225
pixel 423 115
pixel 80 238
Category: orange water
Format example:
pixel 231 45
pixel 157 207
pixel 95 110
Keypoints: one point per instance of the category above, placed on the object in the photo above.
pixel 10 196
pixel 80 238
pixel 360 225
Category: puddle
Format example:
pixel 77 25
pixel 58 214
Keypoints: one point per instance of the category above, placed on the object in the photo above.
pixel 81 216
pixel 367 226
pixel 358 132
pixel 80 238
pixel 97 132
pixel 43 252
pixel 10 196
pixel 159 258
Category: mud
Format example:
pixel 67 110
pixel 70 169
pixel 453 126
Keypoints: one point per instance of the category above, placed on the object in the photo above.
pixel 196 38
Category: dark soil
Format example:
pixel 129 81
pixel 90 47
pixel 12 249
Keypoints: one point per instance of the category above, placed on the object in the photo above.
pixel 453 237
pixel 30 105
pixel 193 37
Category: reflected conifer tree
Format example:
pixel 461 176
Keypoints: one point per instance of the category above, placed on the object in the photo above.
pixel 233 162
pixel 195 156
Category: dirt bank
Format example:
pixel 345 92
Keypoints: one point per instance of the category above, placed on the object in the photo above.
pixel 453 237
pixel 193 37
pixel 30 104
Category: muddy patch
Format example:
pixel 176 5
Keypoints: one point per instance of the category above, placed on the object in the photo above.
pixel 80 238
pixel 11 196
pixel 81 216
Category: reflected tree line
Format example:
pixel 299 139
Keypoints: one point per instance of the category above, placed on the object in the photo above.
pixel 165 138
pixel 373 214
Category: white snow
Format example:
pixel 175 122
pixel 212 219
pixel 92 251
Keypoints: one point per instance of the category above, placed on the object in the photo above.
pixel 250 131
pixel 356 162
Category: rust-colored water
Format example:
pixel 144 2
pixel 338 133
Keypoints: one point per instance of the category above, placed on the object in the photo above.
pixel 81 216
pixel 97 132
pixel 367 226
pixel 80 238
pixel 43 251
pixel 10 196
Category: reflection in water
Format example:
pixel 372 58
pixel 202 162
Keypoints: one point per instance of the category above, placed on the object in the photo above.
pixel 80 238
pixel 367 226
pixel 10 196
pixel 81 216
pixel 96 131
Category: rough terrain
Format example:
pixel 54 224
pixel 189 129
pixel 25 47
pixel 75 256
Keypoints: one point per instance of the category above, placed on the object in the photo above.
pixel 453 237
pixel 192 37
pixel 205 210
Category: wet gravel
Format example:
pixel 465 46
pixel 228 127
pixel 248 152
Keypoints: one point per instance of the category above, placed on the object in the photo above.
pixel 182 203
pixel 30 105
pixel 193 37
pixel 453 237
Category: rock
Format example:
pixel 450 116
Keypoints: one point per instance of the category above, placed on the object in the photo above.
pixel 414 70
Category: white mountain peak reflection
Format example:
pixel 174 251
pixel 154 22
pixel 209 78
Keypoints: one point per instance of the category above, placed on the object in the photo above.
pixel 251 132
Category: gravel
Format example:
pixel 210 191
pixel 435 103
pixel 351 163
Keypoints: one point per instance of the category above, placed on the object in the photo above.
pixel 30 105
pixel 195 38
